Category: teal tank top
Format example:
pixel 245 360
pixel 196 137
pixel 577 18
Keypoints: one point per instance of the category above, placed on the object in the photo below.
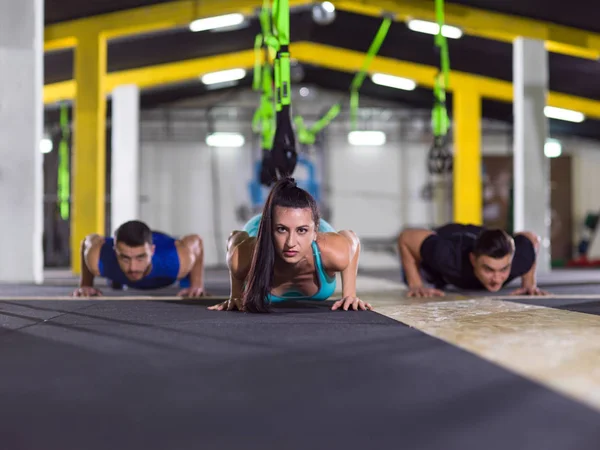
pixel 327 284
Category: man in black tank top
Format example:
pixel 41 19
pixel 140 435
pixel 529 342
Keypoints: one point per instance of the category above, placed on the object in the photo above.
pixel 468 257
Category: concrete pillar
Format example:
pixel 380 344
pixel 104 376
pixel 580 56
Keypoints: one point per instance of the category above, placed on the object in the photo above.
pixel 531 167
pixel 21 119
pixel 125 156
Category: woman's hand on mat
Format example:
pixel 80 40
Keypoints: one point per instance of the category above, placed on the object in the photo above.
pixel 192 292
pixel 351 302
pixel 421 291
pixel 87 291
pixel 233 304
pixel 534 290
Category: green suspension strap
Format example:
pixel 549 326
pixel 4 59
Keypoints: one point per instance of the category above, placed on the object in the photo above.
pixel 263 121
pixel 63 164
pixel 284 142
pixel 307 136
pixel 440 158
pixel 359 78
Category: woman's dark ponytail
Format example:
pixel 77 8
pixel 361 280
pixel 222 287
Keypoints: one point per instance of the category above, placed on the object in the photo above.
pixel 287 194
pixel 260 277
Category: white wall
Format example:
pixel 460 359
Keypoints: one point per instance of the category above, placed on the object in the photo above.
pixel 188 187
pixel 585 172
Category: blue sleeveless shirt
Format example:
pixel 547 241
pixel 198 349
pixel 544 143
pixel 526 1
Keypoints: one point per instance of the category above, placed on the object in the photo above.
pixel 165 265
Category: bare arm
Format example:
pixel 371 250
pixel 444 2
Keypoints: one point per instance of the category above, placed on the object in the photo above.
pixel 240 247
pixel 409 247
pixel 90 254
pixel 350 272
pixel 528 279
pixel 195 246
pixel 340 253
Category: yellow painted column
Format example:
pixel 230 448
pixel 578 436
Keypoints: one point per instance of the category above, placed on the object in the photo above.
pixel 467 188
pixel 88 167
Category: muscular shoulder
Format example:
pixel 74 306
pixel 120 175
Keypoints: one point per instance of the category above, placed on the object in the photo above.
pixel 240 249
pixel 190 243
pixel 526 247
pixel 92 246
pixel 337 249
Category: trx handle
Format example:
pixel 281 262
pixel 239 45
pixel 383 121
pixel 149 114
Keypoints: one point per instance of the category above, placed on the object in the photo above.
pixel 440 157
pixel 63 193
pixel 359 78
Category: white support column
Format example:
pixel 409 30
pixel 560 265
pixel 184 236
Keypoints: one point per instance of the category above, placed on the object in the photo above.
pixel 21 119
pixel 125 156
pixel 531 167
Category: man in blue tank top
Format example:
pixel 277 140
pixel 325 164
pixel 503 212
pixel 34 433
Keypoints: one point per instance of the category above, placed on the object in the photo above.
pixel 140 258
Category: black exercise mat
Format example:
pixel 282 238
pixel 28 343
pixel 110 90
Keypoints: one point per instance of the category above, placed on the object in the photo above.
pixel 159 375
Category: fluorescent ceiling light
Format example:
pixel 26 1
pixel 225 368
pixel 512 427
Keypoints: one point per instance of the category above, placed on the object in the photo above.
pixel 366 138
pixel 46 145
pixel 393 82
pixel 423 26
pixel 552 148
pixel 225 140
pixel 328 6
pixel 211 23
pixel 223 76
pixel 563 114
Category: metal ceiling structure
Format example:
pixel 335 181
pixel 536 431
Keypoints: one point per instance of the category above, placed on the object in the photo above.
pixel 484 51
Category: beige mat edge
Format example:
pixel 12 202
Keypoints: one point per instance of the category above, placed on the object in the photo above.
pixel 554 348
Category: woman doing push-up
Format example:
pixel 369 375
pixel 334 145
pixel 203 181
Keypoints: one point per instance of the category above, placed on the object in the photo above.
pixel 289 253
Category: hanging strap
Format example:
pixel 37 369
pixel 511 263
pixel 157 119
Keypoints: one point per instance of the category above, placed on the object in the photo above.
pixel 264 118
pixel 284 152
pixel 63 164
pixel 359 78
pixel 440 158
pixel 307 136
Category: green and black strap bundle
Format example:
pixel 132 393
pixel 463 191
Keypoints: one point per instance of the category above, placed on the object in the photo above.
pixel 359 78
pixel 264 118
pixel 278 145
pixel 284 152
pixel 440 157
pixel 63 164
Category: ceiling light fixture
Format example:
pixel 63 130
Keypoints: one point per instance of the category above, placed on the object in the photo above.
pixel 393 81
pixel 366 138
pixel 424 26
pixel 223 76
pixel 212 23
pixel 563 114
pixel 225 140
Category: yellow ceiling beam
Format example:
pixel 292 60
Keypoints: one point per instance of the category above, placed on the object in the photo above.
pixel 485 24
pixel 62 90
pixel 171 73
pixel 475 22
pixel 323 56
pixel 494 89
pixel 147 19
